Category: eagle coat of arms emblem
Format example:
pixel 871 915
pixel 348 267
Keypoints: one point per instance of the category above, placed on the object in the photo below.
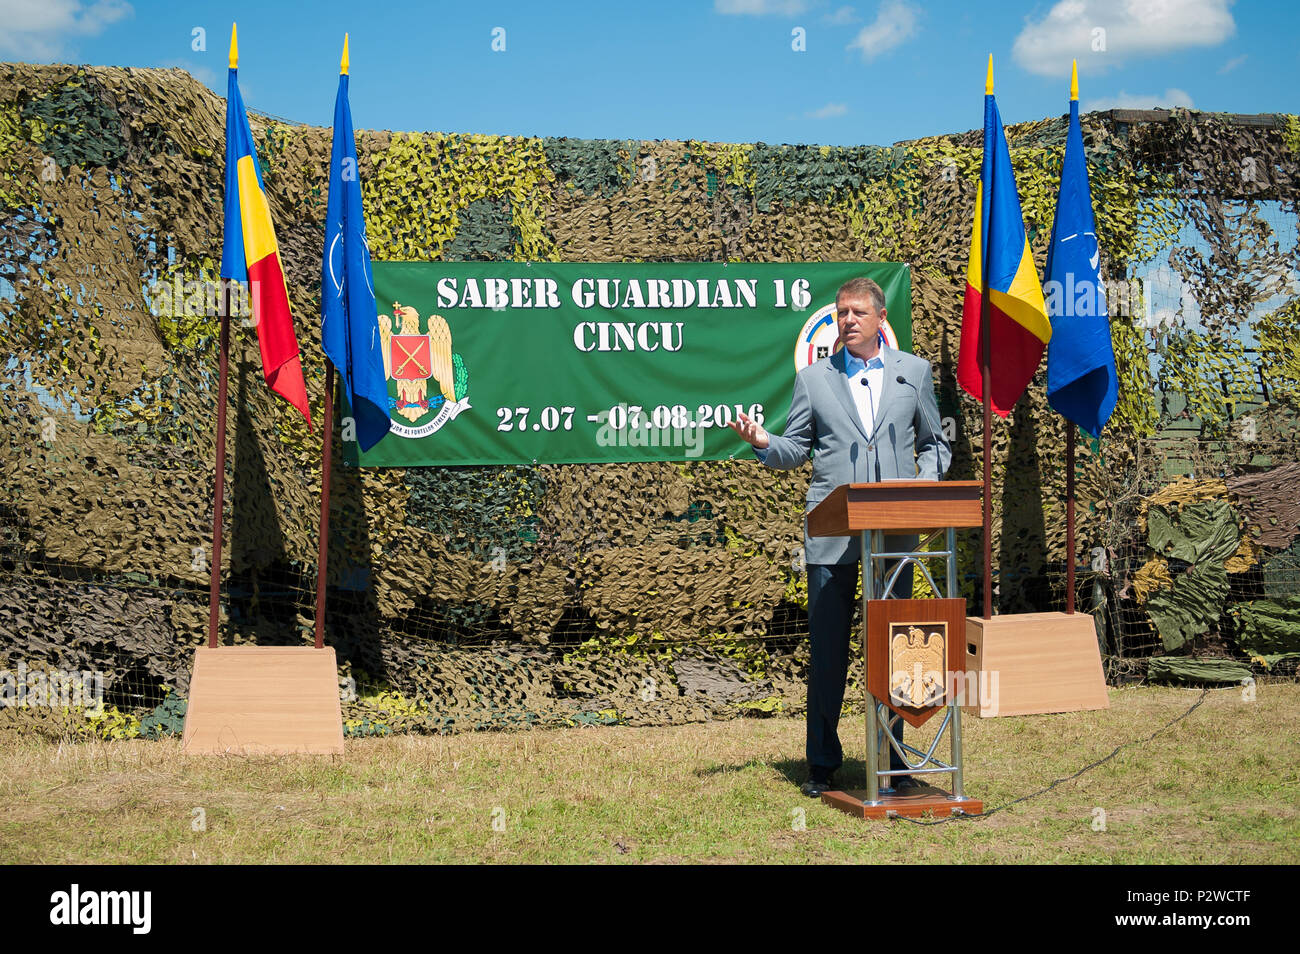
pixel 414 358
pixel 917 668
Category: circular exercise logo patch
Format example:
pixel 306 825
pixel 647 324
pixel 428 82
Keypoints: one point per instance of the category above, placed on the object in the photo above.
pixel 820 337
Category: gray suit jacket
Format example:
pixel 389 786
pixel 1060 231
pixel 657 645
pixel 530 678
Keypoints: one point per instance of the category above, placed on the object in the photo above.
pixel 906 440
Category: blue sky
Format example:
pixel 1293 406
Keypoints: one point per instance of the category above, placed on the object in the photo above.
pixel 723 70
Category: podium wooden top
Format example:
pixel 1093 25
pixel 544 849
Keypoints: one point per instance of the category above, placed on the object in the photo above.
pixel 899 506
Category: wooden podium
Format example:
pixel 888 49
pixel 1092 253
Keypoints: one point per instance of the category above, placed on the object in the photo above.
pixel 914 651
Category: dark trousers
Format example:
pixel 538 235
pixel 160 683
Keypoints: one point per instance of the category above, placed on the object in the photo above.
pixel 830 615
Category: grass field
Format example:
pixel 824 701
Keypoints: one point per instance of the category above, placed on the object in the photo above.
pixel 1220 786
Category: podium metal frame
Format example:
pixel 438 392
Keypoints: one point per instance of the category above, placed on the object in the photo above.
pixel 873 552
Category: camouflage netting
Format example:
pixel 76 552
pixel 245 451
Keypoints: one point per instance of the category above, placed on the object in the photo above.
pixel 650 593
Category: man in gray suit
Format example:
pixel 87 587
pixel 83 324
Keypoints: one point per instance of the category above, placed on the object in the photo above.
pixel 866 413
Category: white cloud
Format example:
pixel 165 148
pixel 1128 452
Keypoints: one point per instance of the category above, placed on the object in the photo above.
pixel 1170 99
pixel 829 111
pixel 1232 64
pixel 894 24
pixel 843 16
pixel 760 8
pixel 40 29
pixel 1101 34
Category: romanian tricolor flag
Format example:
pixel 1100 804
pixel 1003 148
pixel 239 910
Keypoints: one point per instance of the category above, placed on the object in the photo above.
pixel 250 253
pixel 1000 258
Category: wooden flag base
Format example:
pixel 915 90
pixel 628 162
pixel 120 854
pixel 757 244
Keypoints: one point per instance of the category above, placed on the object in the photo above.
pixel 1030 663
pixel 919 801
pixel 264 700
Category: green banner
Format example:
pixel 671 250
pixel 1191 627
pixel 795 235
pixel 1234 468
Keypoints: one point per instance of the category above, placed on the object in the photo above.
pixel 559 363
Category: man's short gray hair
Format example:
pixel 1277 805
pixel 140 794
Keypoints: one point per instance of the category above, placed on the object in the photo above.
pixel 857 287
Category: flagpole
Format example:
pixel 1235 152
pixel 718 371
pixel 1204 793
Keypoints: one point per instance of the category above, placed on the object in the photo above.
pixel 322 556
pixel 1069 425
pixel 986 379
pixel 327 437
pixel 219 492
pixel 1069 514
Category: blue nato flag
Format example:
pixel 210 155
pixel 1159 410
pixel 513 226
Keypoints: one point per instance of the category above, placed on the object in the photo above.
pixel 1082 384
pixel 349 322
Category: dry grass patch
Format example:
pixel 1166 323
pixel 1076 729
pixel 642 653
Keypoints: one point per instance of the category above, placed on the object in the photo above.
pixel 1218 787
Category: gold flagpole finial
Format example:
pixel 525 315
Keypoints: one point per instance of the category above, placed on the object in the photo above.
pixel 343 63
pixel 1074 82
pixel 234 48
pixel 988 82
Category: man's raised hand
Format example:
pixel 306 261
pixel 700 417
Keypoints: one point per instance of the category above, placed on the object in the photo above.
pixel 751 431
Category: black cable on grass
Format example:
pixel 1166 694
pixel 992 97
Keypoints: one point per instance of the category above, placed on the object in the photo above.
pixel 1042 791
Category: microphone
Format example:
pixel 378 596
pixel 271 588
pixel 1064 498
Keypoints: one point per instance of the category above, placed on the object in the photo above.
pixel 934 430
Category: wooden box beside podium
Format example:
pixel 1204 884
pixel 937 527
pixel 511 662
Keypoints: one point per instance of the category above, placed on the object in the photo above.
pixel 1032 663
pixel 264 700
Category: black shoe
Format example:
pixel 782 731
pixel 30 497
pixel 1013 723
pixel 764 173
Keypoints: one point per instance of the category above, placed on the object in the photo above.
pixel 905 783
pixel 819 781
pixel 815 789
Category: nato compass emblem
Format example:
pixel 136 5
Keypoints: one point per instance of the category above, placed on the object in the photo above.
pixel 413 358
pixel 820 337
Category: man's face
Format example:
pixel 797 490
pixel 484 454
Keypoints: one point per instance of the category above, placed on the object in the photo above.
pixel 859 323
